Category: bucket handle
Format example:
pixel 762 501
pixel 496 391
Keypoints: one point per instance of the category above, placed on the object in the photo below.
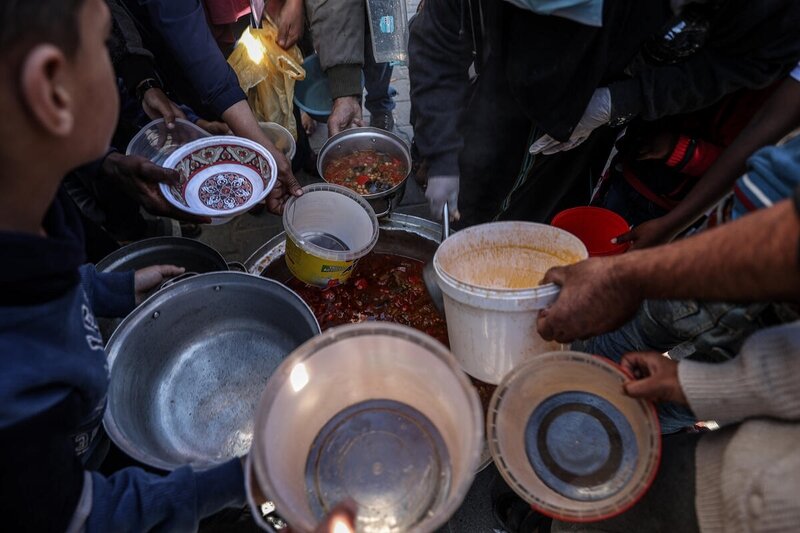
pixel 176 279
pixel 550 292
pixel 236 266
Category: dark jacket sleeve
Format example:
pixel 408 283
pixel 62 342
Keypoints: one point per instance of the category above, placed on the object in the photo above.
pixel 751 45
pixel 337 28
pixel 440 53
pixel 132 61
pixel 183 27
pixel 111 294
pixel 45 487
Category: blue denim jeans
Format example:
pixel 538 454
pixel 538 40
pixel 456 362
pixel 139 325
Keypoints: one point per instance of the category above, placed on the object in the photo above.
pixel 380 97
pixel 704 331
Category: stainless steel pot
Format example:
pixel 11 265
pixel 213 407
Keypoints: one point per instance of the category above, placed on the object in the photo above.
pixel 189 364
pixel 194 256
pixel 357 139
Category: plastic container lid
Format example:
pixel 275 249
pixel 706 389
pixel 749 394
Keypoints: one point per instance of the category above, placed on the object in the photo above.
pixel 156 142
pixel 569 441
pixel 333 215
pixel 595 226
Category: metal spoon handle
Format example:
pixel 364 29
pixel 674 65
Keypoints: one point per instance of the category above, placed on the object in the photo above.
pixel 445 221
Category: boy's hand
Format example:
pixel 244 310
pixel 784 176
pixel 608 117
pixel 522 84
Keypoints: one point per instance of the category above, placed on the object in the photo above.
pixel 655 378
pixel 290 23
pixel 147 279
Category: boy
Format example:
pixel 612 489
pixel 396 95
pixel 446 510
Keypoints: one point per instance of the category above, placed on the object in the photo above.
pixel 59 105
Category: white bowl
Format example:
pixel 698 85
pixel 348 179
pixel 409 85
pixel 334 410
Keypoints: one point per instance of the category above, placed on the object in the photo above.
pixel 376 412
pixel 220 177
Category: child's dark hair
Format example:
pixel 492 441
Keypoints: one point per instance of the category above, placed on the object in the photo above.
pixel 26 23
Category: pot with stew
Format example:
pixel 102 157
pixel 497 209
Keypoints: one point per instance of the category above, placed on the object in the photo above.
pixel 370 161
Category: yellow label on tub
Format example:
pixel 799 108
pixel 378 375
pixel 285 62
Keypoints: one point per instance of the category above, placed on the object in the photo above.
pixel 316 270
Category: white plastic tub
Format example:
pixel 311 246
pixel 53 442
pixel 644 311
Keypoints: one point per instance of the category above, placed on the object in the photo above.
pixel 490 275
pixel 387 464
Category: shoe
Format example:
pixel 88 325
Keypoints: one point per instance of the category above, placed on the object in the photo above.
pixel 383 120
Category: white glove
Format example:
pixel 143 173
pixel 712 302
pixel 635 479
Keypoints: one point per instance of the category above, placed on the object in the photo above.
pixel 598 113
pixel 443 189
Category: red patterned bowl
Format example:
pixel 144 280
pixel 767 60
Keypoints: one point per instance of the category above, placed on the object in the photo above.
pixel 220 177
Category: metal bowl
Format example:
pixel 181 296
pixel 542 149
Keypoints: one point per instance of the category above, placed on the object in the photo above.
pixel 356 139
pixel 193 256
pixel 189 365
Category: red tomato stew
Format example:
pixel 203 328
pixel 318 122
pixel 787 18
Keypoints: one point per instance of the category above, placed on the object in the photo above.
pixel 382 287
pixel 366 171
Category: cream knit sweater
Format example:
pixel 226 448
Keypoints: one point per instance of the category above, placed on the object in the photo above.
pixel 748 473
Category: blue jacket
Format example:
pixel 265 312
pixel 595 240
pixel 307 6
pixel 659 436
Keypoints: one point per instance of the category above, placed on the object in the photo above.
pixel 177 33
pixel 53 385
pixel 773 173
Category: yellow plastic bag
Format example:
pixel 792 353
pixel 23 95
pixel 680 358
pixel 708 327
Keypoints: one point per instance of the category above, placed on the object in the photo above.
pixel 267 74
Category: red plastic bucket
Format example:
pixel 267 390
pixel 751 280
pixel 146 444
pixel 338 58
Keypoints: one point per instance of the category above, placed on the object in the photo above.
pixel 595 227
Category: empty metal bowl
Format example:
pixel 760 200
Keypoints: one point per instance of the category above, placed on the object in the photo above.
pixel 189 365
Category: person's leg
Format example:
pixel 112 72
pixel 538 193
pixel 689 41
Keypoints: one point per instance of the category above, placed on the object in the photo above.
pixel 496 136
pixel 558 181
pixel 379 102
pixel 668 506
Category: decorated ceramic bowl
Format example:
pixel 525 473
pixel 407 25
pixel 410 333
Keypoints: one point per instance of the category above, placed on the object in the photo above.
pixel 220 177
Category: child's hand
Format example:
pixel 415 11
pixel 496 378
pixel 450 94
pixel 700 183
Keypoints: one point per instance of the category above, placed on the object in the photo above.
pixel 146 279
pixel 656 378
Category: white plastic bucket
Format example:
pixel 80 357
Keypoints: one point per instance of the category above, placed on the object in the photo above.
pixel 374 466
pixel 490 275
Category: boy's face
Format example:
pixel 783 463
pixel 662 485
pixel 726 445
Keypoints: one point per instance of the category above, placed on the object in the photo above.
pixel 93 85
pixel 64 105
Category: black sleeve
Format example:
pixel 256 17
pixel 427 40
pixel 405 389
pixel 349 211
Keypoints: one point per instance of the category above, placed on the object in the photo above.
pixel 440 52
pixel 132 61
pixel 42 479
pixel 751 45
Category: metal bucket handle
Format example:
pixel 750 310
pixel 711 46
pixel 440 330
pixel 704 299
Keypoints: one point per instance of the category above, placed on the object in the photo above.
pixel 176 279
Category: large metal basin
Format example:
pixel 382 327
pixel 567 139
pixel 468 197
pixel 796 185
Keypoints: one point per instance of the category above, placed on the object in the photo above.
pixel 400 234
pixel 188 367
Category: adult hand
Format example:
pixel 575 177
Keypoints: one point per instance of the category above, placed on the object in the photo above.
pixel 157 105
pixel 139 178
pixel 441 190
pixel 647 234
pixel 655 378
pixel 286 186
pixel 147 279
pixel 290 23
pixel 346 113
pixel 598 113
pixel 595 298
pixel 214 127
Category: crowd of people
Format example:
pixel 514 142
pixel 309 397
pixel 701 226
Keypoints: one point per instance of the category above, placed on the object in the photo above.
pixel 676 114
